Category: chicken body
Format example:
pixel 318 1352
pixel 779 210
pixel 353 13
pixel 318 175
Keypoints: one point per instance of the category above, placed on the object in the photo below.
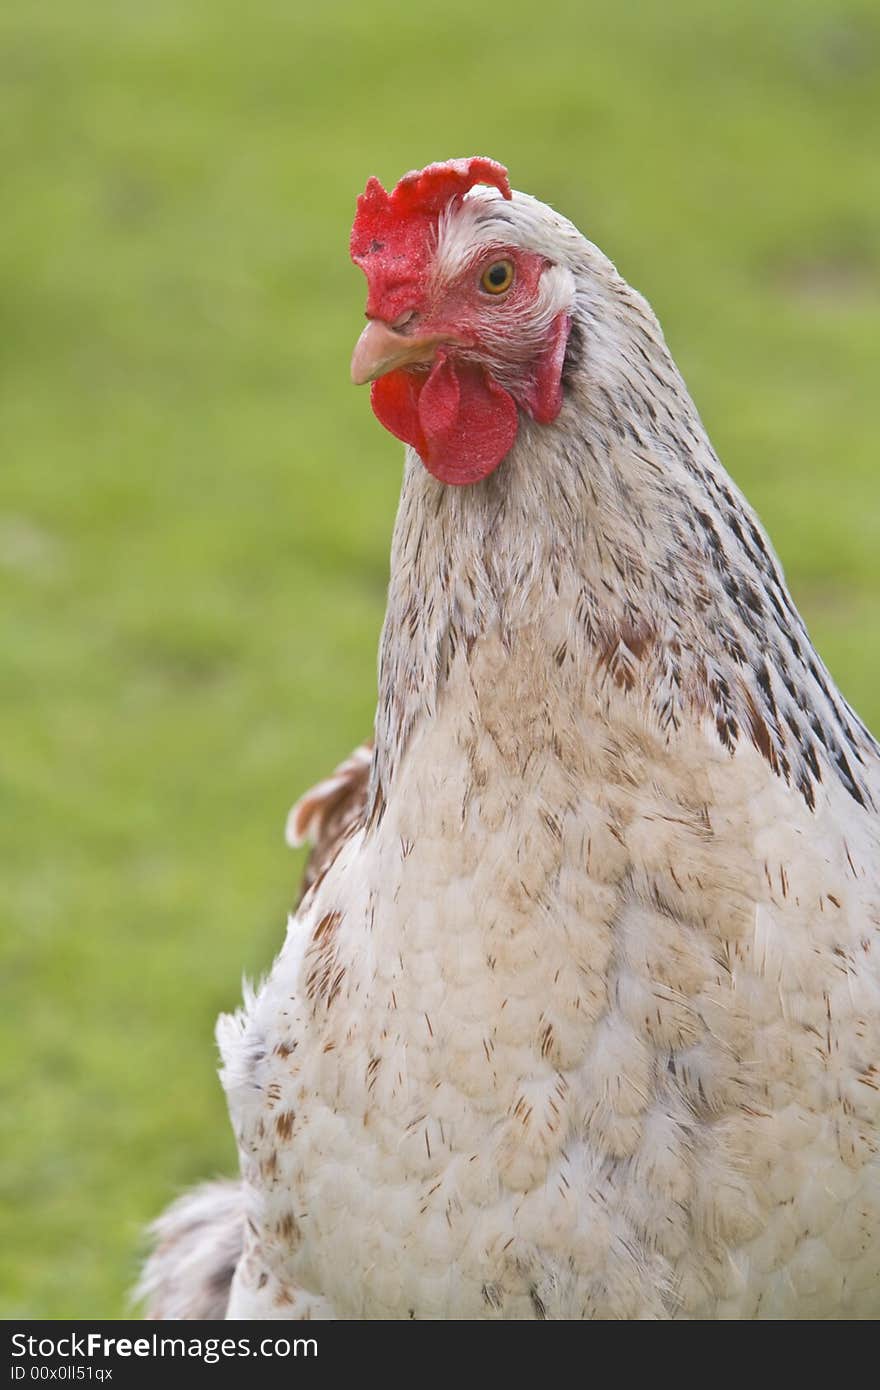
pixel 583 1020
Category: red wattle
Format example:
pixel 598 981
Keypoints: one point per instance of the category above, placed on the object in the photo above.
pixel 458 419
pixel 469 421
pixel 395 402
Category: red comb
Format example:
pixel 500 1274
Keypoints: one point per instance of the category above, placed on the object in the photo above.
pixel 389 239
pixel 424 192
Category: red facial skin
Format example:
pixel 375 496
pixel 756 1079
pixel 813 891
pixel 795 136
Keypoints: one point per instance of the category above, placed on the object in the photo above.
pixel 456 413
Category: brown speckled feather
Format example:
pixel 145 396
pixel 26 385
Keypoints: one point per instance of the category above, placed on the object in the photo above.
pixel 329 812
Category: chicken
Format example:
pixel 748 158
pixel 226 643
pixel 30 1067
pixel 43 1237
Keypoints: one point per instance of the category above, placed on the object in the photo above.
pixel 580 1014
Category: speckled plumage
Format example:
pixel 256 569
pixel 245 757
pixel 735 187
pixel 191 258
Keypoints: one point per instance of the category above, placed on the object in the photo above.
pixel 583 1019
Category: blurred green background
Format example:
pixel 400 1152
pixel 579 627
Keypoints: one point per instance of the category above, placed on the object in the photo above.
pixel 195 506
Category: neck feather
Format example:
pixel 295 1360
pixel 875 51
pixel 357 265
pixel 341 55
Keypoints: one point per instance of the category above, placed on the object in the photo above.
pixel 616 535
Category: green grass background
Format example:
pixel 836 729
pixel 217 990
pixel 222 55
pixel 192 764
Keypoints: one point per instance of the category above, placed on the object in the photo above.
pixel 195 506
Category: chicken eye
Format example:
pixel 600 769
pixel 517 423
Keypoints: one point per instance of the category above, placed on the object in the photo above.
pixel 497 277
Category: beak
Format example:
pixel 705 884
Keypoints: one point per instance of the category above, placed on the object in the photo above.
pixel 380 349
